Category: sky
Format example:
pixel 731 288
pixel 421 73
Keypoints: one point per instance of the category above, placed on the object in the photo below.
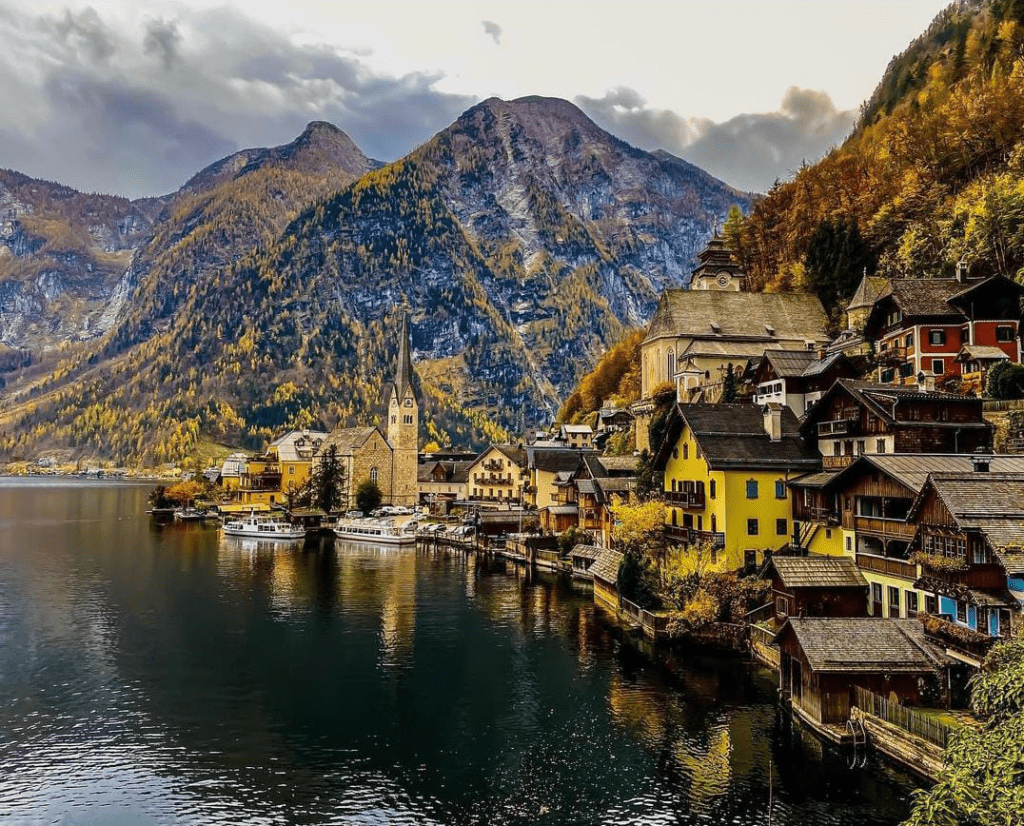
pixel 133 98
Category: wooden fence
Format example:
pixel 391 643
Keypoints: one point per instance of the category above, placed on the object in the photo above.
pixel 905 718
pixel 761 635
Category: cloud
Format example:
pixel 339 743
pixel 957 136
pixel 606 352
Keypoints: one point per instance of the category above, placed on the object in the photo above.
pixel 749 151
pixel 104 106
pixel 492 29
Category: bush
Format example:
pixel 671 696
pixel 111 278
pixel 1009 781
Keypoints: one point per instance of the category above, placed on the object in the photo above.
pixel 368 496
pixel 1005 381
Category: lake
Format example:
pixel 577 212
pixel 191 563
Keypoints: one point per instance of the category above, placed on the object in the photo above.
pixel 170 675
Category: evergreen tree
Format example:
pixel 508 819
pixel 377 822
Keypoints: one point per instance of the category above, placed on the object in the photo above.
pixel 836 260
pixel 368 496
pixel 729 388
pixel 327 481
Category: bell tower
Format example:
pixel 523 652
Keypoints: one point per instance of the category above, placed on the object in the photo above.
pixel 404 425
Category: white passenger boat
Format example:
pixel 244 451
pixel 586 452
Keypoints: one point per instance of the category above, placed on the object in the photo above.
pixel 383 531
pixel 262 526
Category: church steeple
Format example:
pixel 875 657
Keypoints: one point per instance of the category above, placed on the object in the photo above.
pixel 405 383
pixel 404 423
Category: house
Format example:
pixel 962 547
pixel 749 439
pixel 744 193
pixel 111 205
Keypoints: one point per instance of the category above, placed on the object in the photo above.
pixel 798 378
pixel 498 476
pixel 975 361
pixel 544 466
pixel 613 419
pixel 231 471
pixel 856 418
pixel 821 658
pixel 919 325
pixel 576 435
pixel 696 335
pixel 865 510
pixel 727 469
pixel 605 570
pixel 969 541
pixel 442 482
pixel 816 586
pixel 293 453
pixel 583 558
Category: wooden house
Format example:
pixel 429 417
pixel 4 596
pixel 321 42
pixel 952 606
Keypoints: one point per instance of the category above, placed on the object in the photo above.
pixel 605 570
pixel 798 378
pixel 442 482
pixel 919 325
pixel 969 542
pixel 857 418
pixel 975 361
pixel 816 586
pixel 822 658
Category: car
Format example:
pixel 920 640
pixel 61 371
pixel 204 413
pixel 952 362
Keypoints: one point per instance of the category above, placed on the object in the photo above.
pixel 400 510
pixel 354 514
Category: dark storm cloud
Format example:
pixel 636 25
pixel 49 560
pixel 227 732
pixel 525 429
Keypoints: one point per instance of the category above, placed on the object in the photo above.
pixel 493 30
pixel 103 108
pixel 749 151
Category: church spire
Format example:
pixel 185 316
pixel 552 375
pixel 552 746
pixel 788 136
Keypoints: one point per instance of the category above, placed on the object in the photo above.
pixel 404 382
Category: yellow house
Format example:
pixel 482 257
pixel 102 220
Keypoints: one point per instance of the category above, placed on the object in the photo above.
pixel 726 471
pixel 547 468
pixel 498 475
pixel 293 454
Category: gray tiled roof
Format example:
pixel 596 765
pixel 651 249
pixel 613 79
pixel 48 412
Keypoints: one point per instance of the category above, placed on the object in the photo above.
pixel 912 469
pixel 867 291
pixel 347 439
pixel 982 352
pixel 864 644
pixel 606 565
pixel 298 445
pixel 818 572
pixel 691 313
pixel 614 464
pixel 586 551
pixel 790 363
pixel 923 296
pixel 553 460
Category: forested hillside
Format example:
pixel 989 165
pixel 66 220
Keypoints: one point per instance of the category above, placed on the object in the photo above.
pixel 933 174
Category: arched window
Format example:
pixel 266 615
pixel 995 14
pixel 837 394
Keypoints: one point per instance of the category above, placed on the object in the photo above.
pixel 686 450
pixel 373 475
pixel 670 362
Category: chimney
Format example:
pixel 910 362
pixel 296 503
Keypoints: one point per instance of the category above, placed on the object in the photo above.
pixel 961 271
pixel 982 461
pixel 773 420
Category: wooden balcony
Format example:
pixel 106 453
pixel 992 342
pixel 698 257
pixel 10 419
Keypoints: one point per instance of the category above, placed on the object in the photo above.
pixel 823 516
pixel 839 427
pixel 689 536
pixel 685 498
pixel 876 525
pixel 887 565
pixel 991 577
pixel 836 462
pixel 965 640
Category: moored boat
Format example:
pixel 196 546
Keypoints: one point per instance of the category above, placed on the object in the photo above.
pixel 383 531
pixel 262 527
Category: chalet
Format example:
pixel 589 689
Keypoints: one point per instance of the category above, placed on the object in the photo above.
pixel 856 418
pixel 696 335
pixel 546 467
pixel 969 541
pixel 864 511
pixel 498 476
pixel 576 435
pixel 727 469
pixel 797 378
pixel 816 586
pixel 821 658
pixel 919 325
pixel 605 570
pixel 442 482
pixel 975 361
pixel 583 558
pixel 613 419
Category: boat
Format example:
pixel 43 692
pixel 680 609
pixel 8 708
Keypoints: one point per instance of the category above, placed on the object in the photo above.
pixel 262 527
pixel 383 531
pixel 190 514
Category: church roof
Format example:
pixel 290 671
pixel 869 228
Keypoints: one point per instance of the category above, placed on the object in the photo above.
pixel 405 376
pixel 347 439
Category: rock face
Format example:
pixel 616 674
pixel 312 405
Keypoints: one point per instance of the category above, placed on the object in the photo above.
pixel 521 240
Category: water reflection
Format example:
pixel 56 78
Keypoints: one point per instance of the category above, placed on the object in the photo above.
pixel 159 675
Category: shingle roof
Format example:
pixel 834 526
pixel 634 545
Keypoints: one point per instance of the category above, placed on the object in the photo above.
pixel 923 296
pixel 691 313
pixel 614 464
pixel 561 510
pixel 585 486
pixel 814 480
pixel 867 291
pixel 553 460
pixel 733 435
pixel 577 428
pixel 912 469
pixel 298 445
pixel 864 644
pixel 818 572
pixel 586 551
pixel 516 454
pixel 613 484
pixel 982 352
pixel 790 363
pixel 606 566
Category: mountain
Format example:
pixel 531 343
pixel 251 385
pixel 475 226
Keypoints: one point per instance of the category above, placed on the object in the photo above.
pixel 932 174
pixel 62 255
pixel 522 240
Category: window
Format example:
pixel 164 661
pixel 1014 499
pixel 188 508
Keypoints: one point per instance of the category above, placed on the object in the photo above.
pixel 911 603
pixel 713 488
pixel 700 522
pixel 780 488
pixel 910 340
pixel 408 402
pixel 780 527
pixel 961 611
pixel 938 366
pixel 880 446
pixel 929 604
pixel 936 336
pixel 675 452
pixel 782 606
pixel 394 419
pixel 860 447
pixel 849 543
pixel 894 601
pixel 888 375
pixel 686 451
pixel 749 558
pixel 751 488
pixel 978 550
pixel 373 475
pixel 1004 333
pixel 752 527
pixel 876 598
pixel 671 363
pixel 408 419
pixel 291 470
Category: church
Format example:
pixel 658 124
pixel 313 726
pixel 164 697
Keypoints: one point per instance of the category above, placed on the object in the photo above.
pixel 390 461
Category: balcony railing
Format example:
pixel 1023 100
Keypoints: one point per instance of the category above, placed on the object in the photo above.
pixel 836 462
pixel 879 525
pixel 983 577
pixel 685 498
pixel 807 513
pixel 887 565
pixel 970 642
pixel 839 427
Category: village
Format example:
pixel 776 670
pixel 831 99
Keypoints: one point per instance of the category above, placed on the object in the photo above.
pixel 834 504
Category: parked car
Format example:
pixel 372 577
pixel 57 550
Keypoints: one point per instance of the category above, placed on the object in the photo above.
pixel 354 514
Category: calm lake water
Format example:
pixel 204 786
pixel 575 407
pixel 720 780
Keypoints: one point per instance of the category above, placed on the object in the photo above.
pixel 171 675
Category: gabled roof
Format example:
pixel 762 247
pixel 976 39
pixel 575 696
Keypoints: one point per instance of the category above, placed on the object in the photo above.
pixel 606 566
pixel 911 469
pixel 867 291
pixel 583 429
pixel 734 436
pixel 516 455
pixel 817 572
pixel 788 363
pixel 981 352
pixel 864 645
pixel 586 551
pixel 607 487
pixel 692 312
pixel 347 440
pixel 616 465
pixel 298 445
pixel 553 460
pixel 922 296
pixel 455 472
pixel 992 503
